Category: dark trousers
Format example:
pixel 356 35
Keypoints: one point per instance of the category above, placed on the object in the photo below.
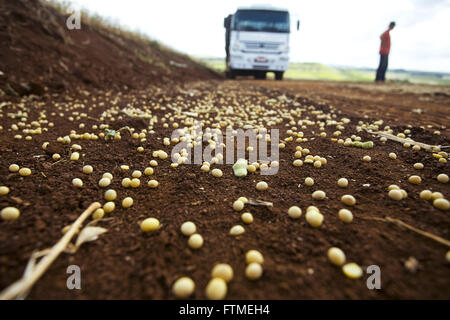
pixel 381 72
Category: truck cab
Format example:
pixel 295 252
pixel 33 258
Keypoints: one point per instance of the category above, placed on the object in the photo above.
pixel 257 41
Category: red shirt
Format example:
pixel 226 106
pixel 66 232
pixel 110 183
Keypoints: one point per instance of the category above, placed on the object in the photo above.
pixel 385 43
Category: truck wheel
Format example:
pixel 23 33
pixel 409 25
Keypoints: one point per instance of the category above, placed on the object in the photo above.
pixel 279 75
pixel 260 75
pixel 230 74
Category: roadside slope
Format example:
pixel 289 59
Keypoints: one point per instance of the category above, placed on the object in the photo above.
pixel 40 54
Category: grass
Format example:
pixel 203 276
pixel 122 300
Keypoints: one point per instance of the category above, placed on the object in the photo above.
pixel 109 25
pixel 310 71
pixel 317 71
pixel 405 76
pixel 215 64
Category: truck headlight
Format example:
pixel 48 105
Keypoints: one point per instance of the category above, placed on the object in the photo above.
pixel 236 46
pixel 285 49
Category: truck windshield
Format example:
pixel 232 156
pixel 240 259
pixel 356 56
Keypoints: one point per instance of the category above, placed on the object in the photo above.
pixel 268 21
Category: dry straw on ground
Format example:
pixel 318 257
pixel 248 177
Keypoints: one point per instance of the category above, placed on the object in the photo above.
pixel 33 271
pixel 414 229
pixel 259 203
pixel 403 140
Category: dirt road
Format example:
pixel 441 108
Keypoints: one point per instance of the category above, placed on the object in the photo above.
pixel 127 263
pixel 402 104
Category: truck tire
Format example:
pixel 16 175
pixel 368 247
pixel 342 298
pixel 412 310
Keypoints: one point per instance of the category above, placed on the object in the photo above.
pixel 229 74
pixel 279 75
pixel 260 75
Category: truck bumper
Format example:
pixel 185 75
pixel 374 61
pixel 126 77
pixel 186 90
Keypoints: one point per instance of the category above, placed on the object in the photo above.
pixel 258 62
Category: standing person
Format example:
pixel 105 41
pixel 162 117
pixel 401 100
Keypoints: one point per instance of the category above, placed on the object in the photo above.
pixel 384 53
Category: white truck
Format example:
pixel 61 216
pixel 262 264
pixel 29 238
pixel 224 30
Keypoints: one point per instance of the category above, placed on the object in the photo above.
pixel 257 41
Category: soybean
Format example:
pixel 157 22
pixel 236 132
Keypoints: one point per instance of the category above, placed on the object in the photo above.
pixel 223 271
pixel 336 256
pixel 188 228
pixel 195 241
pixel 149 225
pixel 261 186
pixel 183 287
pixel 253 271
pixel 216 289
pixel 294 212
pixel 10 213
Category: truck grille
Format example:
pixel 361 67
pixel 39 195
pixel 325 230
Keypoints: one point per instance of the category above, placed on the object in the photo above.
pixel 265 46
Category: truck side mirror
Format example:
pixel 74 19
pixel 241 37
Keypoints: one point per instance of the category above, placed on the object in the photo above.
pixel 298 25
pixel 227 22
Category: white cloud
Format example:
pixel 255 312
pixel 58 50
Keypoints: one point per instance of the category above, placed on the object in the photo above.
pixel 334 32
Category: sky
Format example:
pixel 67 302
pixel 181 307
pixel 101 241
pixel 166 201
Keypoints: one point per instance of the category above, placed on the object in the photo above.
pixel 338 33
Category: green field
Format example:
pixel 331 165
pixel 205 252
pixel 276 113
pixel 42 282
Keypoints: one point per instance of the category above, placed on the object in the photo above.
pixel 317 71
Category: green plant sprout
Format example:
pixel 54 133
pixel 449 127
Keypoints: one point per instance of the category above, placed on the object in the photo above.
pixel 364 145
pixel 110 133
pixel 240 168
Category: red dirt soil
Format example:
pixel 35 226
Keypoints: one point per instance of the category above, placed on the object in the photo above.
pixel 125 263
